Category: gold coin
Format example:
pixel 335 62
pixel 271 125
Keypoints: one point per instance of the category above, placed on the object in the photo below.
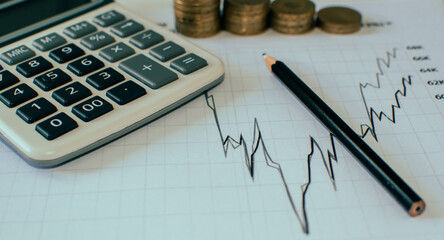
pixel 339 20
pixel 292 16
pixel 197 18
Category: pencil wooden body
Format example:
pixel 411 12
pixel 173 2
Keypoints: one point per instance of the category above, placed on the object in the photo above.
pixel 408 199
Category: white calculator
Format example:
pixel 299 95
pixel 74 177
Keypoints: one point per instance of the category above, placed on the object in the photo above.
pixel 77 74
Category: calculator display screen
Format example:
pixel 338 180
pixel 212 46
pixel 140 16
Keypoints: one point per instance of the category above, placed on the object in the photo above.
pixel 19 16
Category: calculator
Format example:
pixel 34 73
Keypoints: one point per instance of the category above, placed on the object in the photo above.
pixel 77 74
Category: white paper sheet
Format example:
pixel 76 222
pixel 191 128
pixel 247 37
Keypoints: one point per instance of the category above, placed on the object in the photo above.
pixel 175 179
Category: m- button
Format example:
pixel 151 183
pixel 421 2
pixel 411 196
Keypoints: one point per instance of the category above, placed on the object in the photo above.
pixel 17 55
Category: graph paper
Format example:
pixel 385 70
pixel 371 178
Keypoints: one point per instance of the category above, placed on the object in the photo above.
pixel 235 163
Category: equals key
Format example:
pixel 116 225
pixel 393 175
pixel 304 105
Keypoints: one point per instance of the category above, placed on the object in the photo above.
pixel 188 63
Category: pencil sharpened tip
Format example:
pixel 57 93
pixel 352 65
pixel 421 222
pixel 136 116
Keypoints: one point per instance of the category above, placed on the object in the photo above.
pixel 264 54
pixel 269 61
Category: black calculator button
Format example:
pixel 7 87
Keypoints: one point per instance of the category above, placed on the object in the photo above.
pixel 56 126
pixel 71 93
pixel 34 66
pixel 92 108
pixel 48 42
pixel 66 53
pixel 17 95
pixel 108 18
pixel 79 30
pixel 36 110
pixel 126 92
pixel 85 65
pixel 52 79
pixel 146 39
pixel 167 51
pixel 105 78
pixel 16 55
pixel 189 63
pixel 116 52
pixel 129 27
pixel 97 40
pixel 7 79
pixel 148 71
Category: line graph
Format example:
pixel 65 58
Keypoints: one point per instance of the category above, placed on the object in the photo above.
pixel 258 142
pixel 373 114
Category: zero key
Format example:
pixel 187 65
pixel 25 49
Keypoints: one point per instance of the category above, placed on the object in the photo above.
pixel 56 126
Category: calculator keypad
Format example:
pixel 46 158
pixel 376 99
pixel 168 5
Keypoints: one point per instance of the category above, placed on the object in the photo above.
pixel 92 108
pixel 85 65
pixel 17 95
pixel 79 57
pixel 148 71
pixel 48 42
pixel 66 53
pixel 36 110
pixel 71 94
pixel 56 126
pixel 52 79
pixel 7 79
pixel 105 79
pixel 34 66
pixel 127 28
pixel 97 40
pixel 79 30
pixel 16 55
pixel 126 92
pixel 116 52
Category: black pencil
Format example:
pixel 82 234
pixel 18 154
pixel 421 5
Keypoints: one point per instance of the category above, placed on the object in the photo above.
pixel 405 196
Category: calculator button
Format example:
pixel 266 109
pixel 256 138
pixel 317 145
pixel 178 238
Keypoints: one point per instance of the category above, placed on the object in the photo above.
pixel 105 78
pixel 52 79
pixel 66 53
pixel 71 93
pixel 127 28
pixel 56 126
pixel 79 30
pixel 7 79
pixel 34 66
pixel 36 110
pixel 146 39
pixel 189 63
pixel 125 92
pixel 108 18
pixel 97 40
pixel 1 68
pixel 17 55
pixel 92 108
pixel 167 51
pixel 17 95
pixel 116 52
pixel 85 65
pixel 148 71
pixel 48 42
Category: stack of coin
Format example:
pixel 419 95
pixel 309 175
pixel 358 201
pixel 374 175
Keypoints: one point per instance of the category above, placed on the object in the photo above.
pixel 246 17
pixel 292 16
pixel 339 20
pixel 197 18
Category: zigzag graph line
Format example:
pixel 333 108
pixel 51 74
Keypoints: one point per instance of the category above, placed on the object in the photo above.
pixel 372 114
pixel 258 142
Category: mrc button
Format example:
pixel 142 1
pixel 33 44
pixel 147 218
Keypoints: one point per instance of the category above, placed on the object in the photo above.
pixel 17 55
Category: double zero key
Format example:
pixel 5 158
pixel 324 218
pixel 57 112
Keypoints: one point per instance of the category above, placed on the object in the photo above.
pixel 92 108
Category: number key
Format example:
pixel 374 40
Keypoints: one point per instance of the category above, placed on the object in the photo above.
pixel 34 66
pixel 7 79
pixel 56 126
pixel 17 95
pixel 105 79
pixel 92 108
pixel 66 53
pixel 36 110
pixel 85 65
pixel 70 94
pixel 52 79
